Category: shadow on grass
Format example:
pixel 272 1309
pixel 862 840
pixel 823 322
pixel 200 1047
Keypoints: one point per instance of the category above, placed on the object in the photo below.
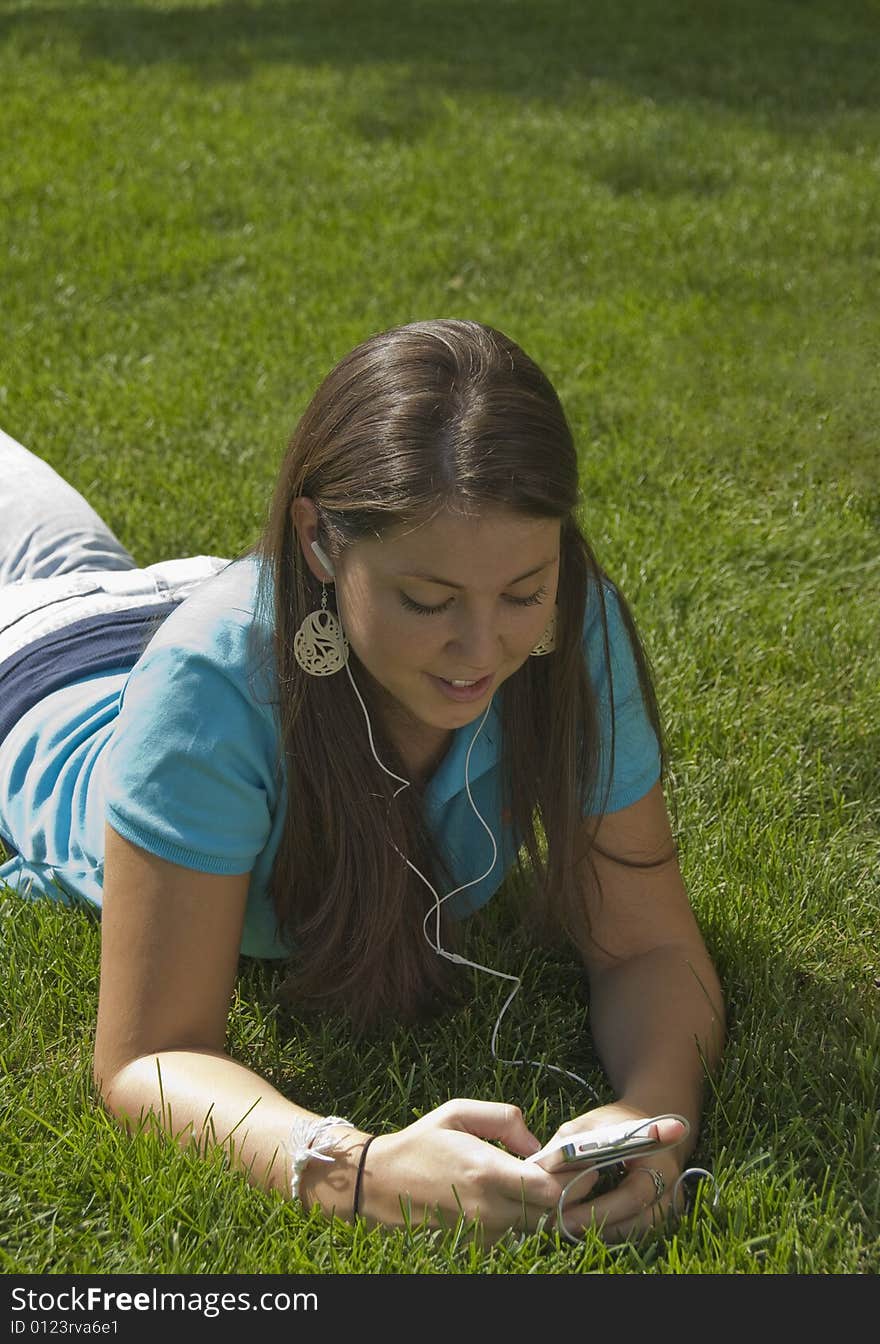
pixel 801 60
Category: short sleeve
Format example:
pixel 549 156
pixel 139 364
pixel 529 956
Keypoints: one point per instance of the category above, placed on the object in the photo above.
pixel 631 759
pixel 188 773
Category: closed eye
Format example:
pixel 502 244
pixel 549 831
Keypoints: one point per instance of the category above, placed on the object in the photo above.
pixel 433 611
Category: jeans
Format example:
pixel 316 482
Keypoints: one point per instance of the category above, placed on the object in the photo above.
pixel 47 527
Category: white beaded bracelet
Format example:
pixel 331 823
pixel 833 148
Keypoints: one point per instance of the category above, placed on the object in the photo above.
pixel 310 1139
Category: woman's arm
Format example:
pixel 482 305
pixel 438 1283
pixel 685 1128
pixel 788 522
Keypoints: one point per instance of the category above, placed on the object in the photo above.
pixel 170 944
pixel 657 1008
pixel 170 941
pixel 656 1005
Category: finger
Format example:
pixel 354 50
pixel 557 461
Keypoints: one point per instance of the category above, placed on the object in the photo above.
pixel 655 1212
pixel 666 1130
pixel 584 1217
pixel 577 1216
pixel 578 1188
pixel 489 1120
pixel 624 1206
pixel 634 1228
pixel 650 1183
pixel 670 1130
pixel 659 1215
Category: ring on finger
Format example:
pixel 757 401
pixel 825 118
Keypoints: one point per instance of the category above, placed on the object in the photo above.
pixel 659 1181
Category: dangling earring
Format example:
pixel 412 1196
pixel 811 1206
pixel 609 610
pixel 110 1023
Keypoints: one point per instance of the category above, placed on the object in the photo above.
pixel 547 642
pixel 320 645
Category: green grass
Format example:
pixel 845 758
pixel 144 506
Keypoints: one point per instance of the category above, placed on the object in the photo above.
pixel 674 208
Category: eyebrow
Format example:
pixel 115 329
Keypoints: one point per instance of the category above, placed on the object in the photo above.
pixel 432 578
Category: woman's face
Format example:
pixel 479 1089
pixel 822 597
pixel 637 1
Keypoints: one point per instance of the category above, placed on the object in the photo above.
pixel 491 597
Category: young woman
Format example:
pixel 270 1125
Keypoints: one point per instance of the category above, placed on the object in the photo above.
pixel 303 752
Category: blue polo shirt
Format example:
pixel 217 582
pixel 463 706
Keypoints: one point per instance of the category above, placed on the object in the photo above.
pixel 179 754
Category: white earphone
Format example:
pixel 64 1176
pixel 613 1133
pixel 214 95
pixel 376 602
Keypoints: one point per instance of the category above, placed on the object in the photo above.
pixel 323 557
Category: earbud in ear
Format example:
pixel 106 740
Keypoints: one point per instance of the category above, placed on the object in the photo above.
pixel 323 557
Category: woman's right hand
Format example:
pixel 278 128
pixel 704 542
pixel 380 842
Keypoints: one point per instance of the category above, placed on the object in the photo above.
pixel 442 1168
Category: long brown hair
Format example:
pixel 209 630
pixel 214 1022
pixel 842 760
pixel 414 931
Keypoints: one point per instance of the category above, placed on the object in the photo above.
pixel 433 415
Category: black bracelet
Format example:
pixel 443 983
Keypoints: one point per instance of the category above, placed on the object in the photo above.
pixel 355 1208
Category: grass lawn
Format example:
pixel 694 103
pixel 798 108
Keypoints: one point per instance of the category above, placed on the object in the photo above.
pixel 675 209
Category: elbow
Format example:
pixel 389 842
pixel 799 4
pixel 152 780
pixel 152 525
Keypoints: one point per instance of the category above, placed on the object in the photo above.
pixel 128 1090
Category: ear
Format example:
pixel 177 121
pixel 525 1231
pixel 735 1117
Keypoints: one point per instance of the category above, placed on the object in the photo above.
pixel 304 517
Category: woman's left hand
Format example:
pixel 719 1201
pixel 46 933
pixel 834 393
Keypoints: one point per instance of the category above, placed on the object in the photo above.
pixel 642 1198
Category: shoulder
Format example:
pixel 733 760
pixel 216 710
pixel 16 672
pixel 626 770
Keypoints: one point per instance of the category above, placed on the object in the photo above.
pixel 219 616
pixel 220 633
pixel 206 681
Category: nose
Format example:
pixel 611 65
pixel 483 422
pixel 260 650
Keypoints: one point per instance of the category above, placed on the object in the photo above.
pixel 478 647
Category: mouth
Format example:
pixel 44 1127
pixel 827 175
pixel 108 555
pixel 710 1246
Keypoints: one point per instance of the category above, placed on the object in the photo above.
pixel 456 689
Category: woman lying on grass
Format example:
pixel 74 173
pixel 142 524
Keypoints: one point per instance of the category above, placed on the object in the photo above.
pixel 331 750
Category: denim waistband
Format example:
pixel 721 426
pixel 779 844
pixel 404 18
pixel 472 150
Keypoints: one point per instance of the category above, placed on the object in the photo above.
pixel 109 641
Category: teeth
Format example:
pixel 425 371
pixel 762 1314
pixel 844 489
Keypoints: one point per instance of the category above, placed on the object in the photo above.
pixel 462 683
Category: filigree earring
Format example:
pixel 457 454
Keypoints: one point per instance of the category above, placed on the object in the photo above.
pixel 547 642
pixel 320 645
